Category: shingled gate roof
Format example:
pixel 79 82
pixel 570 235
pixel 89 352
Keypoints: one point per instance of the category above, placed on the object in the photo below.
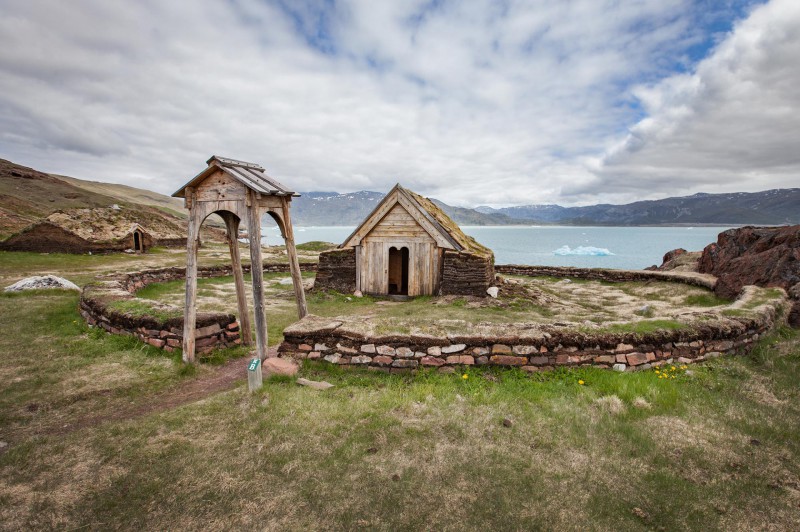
pixel 250 175
pixel 444 225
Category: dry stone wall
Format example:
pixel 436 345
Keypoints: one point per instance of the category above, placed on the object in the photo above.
pixel 617 276
pixel 546 348
pixel 213 330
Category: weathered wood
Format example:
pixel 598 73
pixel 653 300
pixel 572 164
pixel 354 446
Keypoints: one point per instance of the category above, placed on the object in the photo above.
pixel 294 264
pixel 257 273
pixel 232 225
pixel 190 309
pixel 220 187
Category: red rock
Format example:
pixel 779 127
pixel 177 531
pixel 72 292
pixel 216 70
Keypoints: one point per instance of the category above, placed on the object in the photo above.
pixel 621 359
pixel 432 361
pixel 506 360
pixel 156 342
pixel 405 363
pixel 763 256
pixel 501 349
pixel 562 359
pixel 651 356
pixel 382 360
pixel 232 326
pixel 279 366
pixel 305 347
pixel 464 360
pixel 211 340
pixel 540 361
pixel 636 359
pixel 605 359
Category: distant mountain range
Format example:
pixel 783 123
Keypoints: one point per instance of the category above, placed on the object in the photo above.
pixel 771 207
pixel 27 195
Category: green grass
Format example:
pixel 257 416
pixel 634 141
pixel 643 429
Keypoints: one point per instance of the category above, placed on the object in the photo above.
pixel 705 300
pixel 716 448
pixel 646 326
pixel 140 307
pixel 315 245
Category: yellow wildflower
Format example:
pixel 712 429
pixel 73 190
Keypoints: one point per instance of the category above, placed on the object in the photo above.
pixel 465 376
pixel 581 383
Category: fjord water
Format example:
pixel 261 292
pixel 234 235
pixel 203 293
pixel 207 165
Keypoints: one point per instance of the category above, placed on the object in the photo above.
pixel 628 247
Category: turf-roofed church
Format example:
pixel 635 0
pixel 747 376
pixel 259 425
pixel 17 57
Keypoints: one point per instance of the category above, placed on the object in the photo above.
pixel 407 246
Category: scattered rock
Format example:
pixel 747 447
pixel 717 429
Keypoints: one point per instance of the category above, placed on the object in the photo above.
pixel 507 422
pixel 39 282
pixel 372 450
pixel 492 291
pixel 754 441
pixel 395 477
pixel 619 367
pixel 451 349
pixel 317 385
pixel 333 358
pixel 279 366
pixel 641 514
pixel 358 293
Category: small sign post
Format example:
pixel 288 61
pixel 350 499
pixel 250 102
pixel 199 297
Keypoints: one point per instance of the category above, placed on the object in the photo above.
pixel 254 379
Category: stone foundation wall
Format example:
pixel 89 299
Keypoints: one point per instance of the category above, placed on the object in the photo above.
pixel 546 348
pixel 597 274
pixel 213 330
pixel 466 274
pixel 337 270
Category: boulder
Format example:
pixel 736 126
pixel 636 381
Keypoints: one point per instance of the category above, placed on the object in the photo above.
pixel 39 282
pixel 762 256
pixel 678 260
pixel 279 366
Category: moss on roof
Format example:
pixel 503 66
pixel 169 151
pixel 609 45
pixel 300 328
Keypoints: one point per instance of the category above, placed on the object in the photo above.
pixel 469 244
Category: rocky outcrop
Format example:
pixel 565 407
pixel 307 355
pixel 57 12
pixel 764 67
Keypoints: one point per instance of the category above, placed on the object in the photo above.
pixel 762 256
pixel 678 260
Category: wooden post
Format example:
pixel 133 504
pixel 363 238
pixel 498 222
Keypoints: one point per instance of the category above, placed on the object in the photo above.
pixel 257 272
pixel 190 312
pixel 245 331
pixel 294 264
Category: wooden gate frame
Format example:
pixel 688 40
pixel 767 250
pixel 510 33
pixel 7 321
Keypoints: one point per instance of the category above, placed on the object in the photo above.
pixel 262 194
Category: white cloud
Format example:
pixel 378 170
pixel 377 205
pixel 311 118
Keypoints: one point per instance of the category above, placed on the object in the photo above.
pixel 472 102
pixel 731 125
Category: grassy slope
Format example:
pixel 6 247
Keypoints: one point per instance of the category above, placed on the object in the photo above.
pixel 716 449
pixel 125 193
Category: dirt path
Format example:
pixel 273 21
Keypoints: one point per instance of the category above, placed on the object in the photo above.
pixel 221 379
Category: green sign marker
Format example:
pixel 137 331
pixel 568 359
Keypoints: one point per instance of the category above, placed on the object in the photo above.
pixel 253 364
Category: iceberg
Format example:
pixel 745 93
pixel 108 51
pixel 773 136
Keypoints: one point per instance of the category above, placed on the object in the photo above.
pixel 582 250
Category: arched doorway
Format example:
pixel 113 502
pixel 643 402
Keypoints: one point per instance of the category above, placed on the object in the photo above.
pixel 138 241
pixel 398 271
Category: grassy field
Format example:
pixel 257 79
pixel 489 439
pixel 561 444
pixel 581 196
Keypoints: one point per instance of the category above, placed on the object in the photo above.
pixel 711 447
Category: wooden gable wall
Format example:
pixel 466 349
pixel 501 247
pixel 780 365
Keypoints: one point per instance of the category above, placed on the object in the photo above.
pixel 398 229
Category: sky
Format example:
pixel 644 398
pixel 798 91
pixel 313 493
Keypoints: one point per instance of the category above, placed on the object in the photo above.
pixel 572 102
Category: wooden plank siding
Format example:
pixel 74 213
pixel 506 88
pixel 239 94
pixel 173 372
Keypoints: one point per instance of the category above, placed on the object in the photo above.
pixel 398 229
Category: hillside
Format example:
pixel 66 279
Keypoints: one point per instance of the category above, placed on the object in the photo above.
pixel 124 193
pixel 332 208
pixel 28 195
pixel 770 207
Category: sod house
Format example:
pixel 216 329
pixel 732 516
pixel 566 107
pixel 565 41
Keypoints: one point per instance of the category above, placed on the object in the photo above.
pixel 407 246
pixel 99 230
